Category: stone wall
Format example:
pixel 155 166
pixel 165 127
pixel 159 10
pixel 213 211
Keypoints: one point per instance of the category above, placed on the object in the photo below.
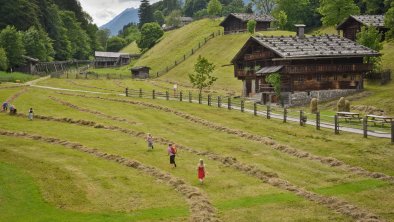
pixel 302 98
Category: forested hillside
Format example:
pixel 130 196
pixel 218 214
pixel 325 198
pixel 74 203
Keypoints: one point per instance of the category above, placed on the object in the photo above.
pixel 46 30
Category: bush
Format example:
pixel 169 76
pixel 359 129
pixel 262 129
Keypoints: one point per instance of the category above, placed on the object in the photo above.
pixel 251 26
pixel 341 105
pixel 313 105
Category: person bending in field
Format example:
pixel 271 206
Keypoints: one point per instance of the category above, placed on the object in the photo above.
pixel 12 110
pixel 30 114
pixel 5 106
pixel 149 139
pixel 201 171
pixel 171 150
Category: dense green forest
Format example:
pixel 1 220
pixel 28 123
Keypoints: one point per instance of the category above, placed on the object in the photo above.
pixel 46 30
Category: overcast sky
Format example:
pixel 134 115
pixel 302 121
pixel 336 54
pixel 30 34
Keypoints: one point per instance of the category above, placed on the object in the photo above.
pixel 102 11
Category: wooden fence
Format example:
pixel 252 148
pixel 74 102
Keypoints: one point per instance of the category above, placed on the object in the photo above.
pixel 384 76
pixel 267 111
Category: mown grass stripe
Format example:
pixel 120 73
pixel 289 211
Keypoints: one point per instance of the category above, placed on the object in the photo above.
pixel 353 187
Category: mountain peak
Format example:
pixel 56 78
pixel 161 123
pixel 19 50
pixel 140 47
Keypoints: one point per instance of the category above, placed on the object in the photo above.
pixel 116 24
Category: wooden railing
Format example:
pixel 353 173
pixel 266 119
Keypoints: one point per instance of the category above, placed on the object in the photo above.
pixel 244 73
pixel 311 69
pixel 259 55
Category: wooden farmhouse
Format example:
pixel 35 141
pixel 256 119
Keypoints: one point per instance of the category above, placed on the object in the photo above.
pixel 352 25
pixel 110 59
pixel 322 67
pixel 237 22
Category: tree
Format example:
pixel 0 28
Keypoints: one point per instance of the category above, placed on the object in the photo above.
pixel 159 17
pixel 374 7
pixel 115 44
pixel 371 38
pixel 3 60
pixel 202 74
pixel 80 41
pixel 264 6
pixel 335 11
pixel 297 11
pixel 193 6
pixel 249 8
pixel 150 33
pixel 274 80
pixel 281 19
pixel 21 14
pixel 236 6
pixel 145 13
pixel 11 41
pixel 38 44
pixel 389 22
pixel 102 37
pixel 251 26
pixel 214 7
pixel 174 18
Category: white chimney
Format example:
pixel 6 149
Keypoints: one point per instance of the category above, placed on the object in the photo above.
pixel 300 30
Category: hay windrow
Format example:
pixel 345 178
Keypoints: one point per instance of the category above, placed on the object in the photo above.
pixel 329 161
pixel 119 119
pixel 270 178
pixel 200 207
pixel 17 94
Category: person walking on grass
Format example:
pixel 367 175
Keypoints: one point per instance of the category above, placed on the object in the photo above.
pixel 149 139
pixel 201 171
pixel 171 150
pixel 30 114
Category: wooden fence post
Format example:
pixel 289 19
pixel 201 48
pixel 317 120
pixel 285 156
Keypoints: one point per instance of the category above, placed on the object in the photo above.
pixel 140 93
pixel 167 95
pixel 219 101
pixel 365 126
pixel 318 120
pixel 242 105
pixel 190 97
pixel 268 112
pixel 392 132
pixel 301 118
pixel 336 124
pixel 209 99
pixel 127 92
pixel 229 103
pixel 180 96
pixel 153 94
pixel 284 115
pixel 199 98
pixel 255 109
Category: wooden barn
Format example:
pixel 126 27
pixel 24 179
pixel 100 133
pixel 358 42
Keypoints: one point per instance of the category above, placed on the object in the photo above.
pixel 237 22
pixel 352 25
pixel 140 72
pixel 29 66
pixel 110 59
pixel 309 66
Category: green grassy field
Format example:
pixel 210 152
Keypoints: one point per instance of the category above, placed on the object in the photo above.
pixel 132 48
pixel 15 77
pixel 35 171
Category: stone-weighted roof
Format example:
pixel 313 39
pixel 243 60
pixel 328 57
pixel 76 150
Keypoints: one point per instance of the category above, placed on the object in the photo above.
pixel 367 20
pixel 313 46
pixel 246 17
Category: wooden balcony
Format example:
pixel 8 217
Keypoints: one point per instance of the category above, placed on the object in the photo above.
pixel 244 73
pixel 327 68
pixel 258 55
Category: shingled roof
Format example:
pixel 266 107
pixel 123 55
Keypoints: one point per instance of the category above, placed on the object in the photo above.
pixel 246 17
pixel 293 47
pixel 110 54
pixel 367 20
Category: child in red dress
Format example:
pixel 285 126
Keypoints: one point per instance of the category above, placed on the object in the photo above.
pixel 201 171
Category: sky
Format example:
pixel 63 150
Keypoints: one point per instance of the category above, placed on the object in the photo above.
pixel 102 11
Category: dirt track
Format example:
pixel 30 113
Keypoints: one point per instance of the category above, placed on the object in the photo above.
pixel 329 161
pixel 333 203
pixel 200 207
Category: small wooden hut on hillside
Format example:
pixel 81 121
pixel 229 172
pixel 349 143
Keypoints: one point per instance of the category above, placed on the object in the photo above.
pixel 322 67
pixel 110 59
pixel 140 72
pixel 237 22
pixel 352 25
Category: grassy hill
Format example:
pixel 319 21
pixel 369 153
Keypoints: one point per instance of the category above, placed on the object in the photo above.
pixel 176 43
pixel 132 48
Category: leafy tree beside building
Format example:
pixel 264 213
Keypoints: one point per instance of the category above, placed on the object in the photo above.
pixel 12 43
pixel 335 11
pixel 214 8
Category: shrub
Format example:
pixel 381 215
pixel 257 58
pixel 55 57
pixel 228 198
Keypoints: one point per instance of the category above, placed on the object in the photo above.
pixel 313 105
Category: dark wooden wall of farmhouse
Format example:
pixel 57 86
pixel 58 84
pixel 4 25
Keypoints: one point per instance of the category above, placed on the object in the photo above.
pixel 351 28
pixel 233 24
pixel 300 74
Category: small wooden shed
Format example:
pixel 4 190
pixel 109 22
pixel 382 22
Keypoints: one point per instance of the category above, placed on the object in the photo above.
pixel 29 66
pixel 352 25
pixel 140 72
pixel 237 22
